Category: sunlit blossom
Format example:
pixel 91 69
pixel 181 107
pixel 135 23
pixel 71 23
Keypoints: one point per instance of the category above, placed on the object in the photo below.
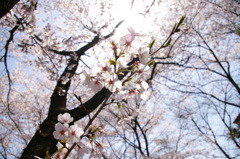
pixel 126 42
pixel 132 32
pixel 141 85
pixel 61 131
pixel 123 122
pixel 95 84
pixel 97 151
pixel 102 68
pixel 82 149
pixel 62 152
pixel 112 83
pixel 143 56
pixel 65 118
pixel 85 77
pixel 144 95
pixel 75 132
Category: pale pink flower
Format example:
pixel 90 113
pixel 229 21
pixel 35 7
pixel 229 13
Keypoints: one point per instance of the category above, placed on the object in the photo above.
pixel 103 68
pixel 96 84
pixel 126 43
pixel 75 132
pixel 61 153
pixel 143 56
pixel 85 77
pixel 82 149
pixel 143 94
pixel 130 90
pixel 124 122
pixel 65 118
pixel 141 85
pixel 132 93
pixel 142 68
pixel 127 40
pixel 132 32
pixel 112 83
pixel 97 151
pixel 61 131
pixel 122 63
pixel 59 145
pixel 135 112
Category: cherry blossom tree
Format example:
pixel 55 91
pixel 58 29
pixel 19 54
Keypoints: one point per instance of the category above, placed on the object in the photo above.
pixel 207 87
pixel 77 81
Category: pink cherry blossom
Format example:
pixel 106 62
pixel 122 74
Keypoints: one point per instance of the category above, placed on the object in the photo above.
pixel 82 149
pixel 85 77
pixel 62 152
pixel 143 94
pixel 97 151
pixel 124 122
pixel 142 68
pixel 95 84
pixel 61 131
pixel 65 118
pixel 126 42
pixel 75 132
pixel 112 83
pixel 132 32
pixel 141 85
pixel 102 69
pixel 143 56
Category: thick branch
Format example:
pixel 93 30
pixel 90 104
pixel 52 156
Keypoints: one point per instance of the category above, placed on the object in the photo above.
pixel 6 6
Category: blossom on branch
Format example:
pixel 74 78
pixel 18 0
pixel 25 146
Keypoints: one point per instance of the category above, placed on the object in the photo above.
pixel 95 84
pixel 62 152
pixel 143 56
pixel 65 118
pixel 126 42
pixel 61 131
pixel 112 83
pixel 82 149
pixel 97 151
pixel 75 132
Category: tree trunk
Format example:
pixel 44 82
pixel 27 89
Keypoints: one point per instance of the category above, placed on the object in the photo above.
pixel 6 6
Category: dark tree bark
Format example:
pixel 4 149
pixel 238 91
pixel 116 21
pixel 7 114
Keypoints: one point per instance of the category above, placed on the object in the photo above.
pixel 6 6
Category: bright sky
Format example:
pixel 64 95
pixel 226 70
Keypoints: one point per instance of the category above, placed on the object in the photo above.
pixel 122 11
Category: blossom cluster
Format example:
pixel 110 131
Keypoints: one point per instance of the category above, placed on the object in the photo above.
pixel 107 74
pixel 68 135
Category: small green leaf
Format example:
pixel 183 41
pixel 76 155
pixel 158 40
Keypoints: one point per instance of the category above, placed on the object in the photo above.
pixel 119 105
pixel 150 63
pixel 237 31
pixel 112 62
pixel 176 27
pixel 122 54
pixel 181 21
pixel 20 45
pixel 133 67
pixel 168 43
pixel 151 44
pixel 47 155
